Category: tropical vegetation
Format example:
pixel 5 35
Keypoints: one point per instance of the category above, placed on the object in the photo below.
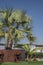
pixel 14 25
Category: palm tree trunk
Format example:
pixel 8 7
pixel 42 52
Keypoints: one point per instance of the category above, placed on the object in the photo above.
pixel 9 40
pixel 27 58
pixel 9 44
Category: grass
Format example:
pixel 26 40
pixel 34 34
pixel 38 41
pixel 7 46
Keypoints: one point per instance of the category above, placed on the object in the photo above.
pixel 23 63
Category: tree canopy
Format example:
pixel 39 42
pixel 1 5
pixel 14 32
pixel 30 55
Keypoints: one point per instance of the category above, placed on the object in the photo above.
pixel 13 25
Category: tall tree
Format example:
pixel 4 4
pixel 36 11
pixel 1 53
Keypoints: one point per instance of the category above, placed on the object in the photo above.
pixel 13 25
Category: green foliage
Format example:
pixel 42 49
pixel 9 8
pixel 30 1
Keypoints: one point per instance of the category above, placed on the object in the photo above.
pixel 32 53
pixel 1 24
pixel 31 38
pixel 9 18
pixel 26 47
pixel 1 33
pixel 38 48
pixel 37 55
pixel 19 16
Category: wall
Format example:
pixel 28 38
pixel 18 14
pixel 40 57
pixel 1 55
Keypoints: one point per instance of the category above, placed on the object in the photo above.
pixel 10 55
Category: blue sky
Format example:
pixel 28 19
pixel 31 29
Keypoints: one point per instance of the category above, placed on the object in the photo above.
pixel 34 9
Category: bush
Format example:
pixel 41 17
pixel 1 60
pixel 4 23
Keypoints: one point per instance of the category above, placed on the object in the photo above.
pixel 37 55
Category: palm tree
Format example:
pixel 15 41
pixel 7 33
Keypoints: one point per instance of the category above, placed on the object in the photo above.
pixel 11 20
pixel 31 38
pixel 29 51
